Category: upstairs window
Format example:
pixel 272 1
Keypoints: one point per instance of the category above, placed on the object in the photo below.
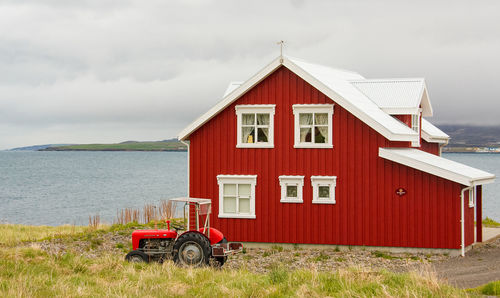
pixel 415 125
pixel 237 196
pixel 313 126
pixel 255 126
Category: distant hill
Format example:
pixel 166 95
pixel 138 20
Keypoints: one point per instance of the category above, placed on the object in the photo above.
pixel 468 135
pixel 167 145
pixel 37 147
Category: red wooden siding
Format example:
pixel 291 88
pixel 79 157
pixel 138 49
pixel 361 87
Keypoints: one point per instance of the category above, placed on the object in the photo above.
pixel 368 210
pixel 432 148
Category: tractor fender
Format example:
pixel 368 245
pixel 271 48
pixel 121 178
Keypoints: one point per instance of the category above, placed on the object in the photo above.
pixel 216 236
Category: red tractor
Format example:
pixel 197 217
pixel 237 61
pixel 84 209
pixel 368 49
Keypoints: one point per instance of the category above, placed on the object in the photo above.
pixel 186 247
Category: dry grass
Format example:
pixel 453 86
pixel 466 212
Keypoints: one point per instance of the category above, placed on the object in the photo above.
pixel 33 273
pixel 94 221
pixel 149 213
pixel 15 234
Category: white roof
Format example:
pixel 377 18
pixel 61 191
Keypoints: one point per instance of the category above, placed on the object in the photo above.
pixel 397 96
pixel 334 83
pixel 437 165
pixel 232 86
pixel 432 134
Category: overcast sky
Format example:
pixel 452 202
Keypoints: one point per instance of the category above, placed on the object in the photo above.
pixel 109 71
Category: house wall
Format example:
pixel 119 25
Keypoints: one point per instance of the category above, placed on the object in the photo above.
pixel 367 212
pixel 432 148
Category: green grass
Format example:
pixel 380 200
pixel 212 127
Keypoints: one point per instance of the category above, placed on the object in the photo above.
pixel 320 258
pixel 380 254
pixel 31 272
pixel 128 146
pixel 488 222
pixel 491 289
pixel 15 234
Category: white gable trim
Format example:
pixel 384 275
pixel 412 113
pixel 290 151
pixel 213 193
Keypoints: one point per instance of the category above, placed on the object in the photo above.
pixel 266 71
pixel 436 165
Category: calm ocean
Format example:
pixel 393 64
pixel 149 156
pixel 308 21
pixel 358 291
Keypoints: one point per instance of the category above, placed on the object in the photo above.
pixel 54 188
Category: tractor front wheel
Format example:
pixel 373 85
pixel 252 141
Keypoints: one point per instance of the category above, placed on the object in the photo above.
pixel 192 249
pixel 137 256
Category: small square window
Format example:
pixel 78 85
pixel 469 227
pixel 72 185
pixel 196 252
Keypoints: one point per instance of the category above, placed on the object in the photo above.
pixel 323 189
pixel 324 192
pixel 291 189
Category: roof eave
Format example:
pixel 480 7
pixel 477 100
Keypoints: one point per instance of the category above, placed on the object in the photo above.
pixel 348 106
pixel 433 170
pixel 434 139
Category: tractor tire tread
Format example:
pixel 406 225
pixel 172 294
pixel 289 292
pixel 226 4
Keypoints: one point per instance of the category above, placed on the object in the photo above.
pixel 197 237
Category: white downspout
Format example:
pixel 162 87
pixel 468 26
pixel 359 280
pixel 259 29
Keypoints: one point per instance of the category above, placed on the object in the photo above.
pixel 441 147
pixel 462 219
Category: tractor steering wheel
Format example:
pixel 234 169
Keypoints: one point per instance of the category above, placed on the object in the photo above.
pixel 176 227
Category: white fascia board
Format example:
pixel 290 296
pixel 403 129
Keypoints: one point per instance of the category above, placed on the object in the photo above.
pixel 401 111
pixel 428 167
pixel 431 139
pixel 410 137
pixel 229 99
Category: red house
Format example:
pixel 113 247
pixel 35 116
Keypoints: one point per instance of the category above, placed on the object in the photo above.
pixel 304 153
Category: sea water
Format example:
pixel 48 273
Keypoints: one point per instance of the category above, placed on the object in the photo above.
pixel 53 188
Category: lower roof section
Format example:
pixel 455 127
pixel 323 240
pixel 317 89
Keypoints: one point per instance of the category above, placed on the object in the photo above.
pixel 436 165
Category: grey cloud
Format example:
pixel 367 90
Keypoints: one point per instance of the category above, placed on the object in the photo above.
pixel 83 69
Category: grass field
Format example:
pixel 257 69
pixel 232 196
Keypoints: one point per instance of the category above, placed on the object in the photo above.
pixel 28 270
pixel 127 146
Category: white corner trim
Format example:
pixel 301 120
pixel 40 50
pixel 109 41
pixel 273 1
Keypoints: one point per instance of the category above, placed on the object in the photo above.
pixel 316 182
pixel 291 180
pixel 312 108
pixel 255 109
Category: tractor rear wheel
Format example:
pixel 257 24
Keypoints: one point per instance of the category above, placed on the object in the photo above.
pixel 192 249
pixel 137 256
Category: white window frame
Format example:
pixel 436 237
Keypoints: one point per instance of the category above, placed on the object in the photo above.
pixel 316 182
pixel 314 109
pixel 286 181
pixel 237 179
pixel 415 125
pixel 472 198
pixel 255 109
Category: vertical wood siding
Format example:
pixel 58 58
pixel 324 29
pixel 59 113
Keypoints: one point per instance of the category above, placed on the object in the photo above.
pixel 368 210
pixel 432 148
